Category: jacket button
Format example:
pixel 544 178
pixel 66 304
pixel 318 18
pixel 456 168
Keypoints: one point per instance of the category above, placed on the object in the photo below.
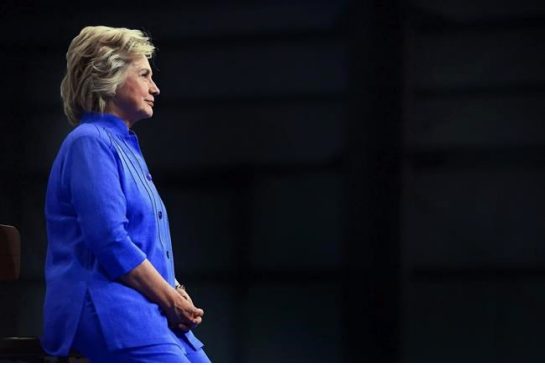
pixel 160 214
pixel 168 255
pixel 148 176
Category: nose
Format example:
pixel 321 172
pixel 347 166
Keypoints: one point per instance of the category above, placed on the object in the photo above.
pixel 154 90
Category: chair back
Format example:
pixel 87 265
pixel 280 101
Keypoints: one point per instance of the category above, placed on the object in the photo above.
pixel 10 253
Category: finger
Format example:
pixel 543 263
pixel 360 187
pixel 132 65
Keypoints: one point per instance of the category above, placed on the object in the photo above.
pixel 179 324
pixel 183 327
pixel 188 323
pixel 198 312
pixel 191 323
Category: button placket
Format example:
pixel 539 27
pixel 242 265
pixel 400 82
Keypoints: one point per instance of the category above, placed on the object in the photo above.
pixel 153 196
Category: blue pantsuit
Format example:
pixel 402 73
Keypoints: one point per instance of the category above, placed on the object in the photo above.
pixel 104 217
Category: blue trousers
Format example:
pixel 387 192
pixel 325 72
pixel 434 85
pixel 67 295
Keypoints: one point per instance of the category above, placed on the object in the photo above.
pixel 89 341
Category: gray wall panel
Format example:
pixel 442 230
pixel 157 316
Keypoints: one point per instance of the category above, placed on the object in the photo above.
pixel 243 133
pixel 474 217
pixel 475 10
pixel 201 228
pixel 474 320
pixel 468 59
pixel 44 134
pixel 450 320
pixel 172 19
pixel 33 230
pixel 293 324
pixel 260 70
pixel 297 222
pixel 477 121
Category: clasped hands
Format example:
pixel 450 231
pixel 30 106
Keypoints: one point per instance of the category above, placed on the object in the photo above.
pixel 183 314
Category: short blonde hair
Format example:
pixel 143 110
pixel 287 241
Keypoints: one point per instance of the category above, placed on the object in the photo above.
pixel 96 61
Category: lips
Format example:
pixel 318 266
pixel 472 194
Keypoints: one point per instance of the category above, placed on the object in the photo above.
pixel 150 102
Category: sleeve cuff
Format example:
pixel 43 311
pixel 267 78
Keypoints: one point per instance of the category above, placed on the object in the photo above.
pixel 121 257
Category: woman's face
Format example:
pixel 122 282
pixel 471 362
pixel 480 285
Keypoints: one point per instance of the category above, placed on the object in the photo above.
pixel 135 97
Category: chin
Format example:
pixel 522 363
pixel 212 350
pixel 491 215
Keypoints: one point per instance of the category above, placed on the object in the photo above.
pixel 146 114
pixel 149 113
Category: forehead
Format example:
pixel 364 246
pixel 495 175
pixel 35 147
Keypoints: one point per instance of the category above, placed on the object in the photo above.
pixel 140 63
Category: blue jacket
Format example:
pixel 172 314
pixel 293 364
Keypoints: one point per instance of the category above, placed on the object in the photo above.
pixel 104 216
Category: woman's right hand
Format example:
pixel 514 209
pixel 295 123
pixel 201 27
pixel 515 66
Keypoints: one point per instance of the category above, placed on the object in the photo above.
pixel 182 314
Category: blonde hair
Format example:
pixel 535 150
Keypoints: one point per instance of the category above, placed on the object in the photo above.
pixel 96 61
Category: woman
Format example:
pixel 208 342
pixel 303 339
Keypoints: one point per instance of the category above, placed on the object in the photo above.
pixel 111 292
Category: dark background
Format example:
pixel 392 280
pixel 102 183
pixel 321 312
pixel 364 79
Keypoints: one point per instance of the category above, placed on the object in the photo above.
pixel 346 180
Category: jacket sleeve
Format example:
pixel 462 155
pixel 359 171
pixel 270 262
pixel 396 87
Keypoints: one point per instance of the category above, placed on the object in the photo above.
pixel 92 178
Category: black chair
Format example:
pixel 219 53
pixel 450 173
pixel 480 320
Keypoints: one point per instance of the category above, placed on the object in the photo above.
pixel 20 349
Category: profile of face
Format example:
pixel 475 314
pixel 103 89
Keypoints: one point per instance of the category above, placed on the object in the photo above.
pixel 135 97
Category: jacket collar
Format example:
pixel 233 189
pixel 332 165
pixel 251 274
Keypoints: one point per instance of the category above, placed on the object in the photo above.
pixel 110 121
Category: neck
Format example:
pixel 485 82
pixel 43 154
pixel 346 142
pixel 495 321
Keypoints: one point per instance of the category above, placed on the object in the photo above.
pixel 111 109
